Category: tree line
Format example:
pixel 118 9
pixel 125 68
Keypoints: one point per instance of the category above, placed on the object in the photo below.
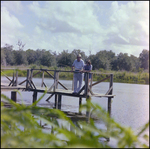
pixel 103 59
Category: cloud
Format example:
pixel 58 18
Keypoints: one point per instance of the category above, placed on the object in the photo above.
pixel 67 16
pixel 8 21
pixel 14 6
pixel 131 22
pixel 85 25
pixel 37 30
pixel 11 28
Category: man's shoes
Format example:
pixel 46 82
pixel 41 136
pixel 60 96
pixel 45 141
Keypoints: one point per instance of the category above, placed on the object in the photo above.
pixel 74 93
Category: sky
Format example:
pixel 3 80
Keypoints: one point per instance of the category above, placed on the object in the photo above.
pixel 91 26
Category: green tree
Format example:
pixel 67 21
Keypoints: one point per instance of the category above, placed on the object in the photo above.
pixel 3 57
pixel 144 59
pixel 102 59
pixel 65 59
pixel 47 59
pixel 38 56
pixel 7 52
pixel 135 63
pixel 20 57
pixel 31 56
pixel 114 64
pixel 20 45
pixel 124 62
pixel 75 52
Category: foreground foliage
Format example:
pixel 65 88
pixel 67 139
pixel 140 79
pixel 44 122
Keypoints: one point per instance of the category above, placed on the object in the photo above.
pixel 20 128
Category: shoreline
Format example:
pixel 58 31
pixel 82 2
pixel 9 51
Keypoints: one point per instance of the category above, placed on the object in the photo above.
pixel 118 76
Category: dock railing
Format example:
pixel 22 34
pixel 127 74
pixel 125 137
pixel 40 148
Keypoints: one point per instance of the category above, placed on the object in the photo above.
pixel 87 87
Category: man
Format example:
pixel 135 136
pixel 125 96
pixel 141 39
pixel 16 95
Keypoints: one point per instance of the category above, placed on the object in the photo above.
pixel 78 65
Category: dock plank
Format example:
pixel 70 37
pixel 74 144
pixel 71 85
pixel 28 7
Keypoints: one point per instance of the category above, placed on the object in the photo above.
pixel 4 86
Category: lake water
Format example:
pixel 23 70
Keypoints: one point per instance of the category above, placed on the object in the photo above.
pixel 130 106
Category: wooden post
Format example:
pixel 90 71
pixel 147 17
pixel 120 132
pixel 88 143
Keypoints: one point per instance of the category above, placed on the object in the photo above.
pixel 59 101
pixel 42 79
pixel 27 82
pixel 14 96
pixel 54 81
pixel 52 129
pixel 110 93
pixel 56 101
pixel 109 101
pixel 54 88
pixel 56 76
pixel 73 83
pixel 34 96
pixel 13 79
pixel 86 94
pixel 86 83
pixel 14 83
pixel 57 80
pixel 80 102
pixel 87 112
pixel 31 74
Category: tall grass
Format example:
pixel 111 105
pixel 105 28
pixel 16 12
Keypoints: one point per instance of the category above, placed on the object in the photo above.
pixel 19 128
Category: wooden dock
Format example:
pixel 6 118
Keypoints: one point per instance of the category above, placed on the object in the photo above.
pixel 85 92
pixel 28 85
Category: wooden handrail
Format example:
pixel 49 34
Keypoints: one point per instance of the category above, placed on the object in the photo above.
pixel 6 76
pixel 58 81
pixel 100 81
pixel 26 79
pixel 52 70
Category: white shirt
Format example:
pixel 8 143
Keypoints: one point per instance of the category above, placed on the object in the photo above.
pixel 78 65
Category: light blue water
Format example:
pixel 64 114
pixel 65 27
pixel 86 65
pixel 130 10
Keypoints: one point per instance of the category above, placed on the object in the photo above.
pixel 130 106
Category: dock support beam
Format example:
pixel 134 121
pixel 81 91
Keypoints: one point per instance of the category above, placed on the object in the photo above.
pixel 59 101
pixel 86 83
pixel 109 101
pixel 14 96
pixel 110 93
pixel 42 79
pixel 34 96
pixel 14 83
pixel 56 101
pixel 88 111
pixel 27 82
pixel 80 102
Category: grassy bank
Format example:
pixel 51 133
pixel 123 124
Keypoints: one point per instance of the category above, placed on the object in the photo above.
pixel 119 76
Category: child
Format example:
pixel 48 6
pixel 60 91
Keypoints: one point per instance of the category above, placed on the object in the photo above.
pixel 88 68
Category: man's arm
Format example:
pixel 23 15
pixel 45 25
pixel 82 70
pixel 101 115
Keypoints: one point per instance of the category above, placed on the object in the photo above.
pixel 72 68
